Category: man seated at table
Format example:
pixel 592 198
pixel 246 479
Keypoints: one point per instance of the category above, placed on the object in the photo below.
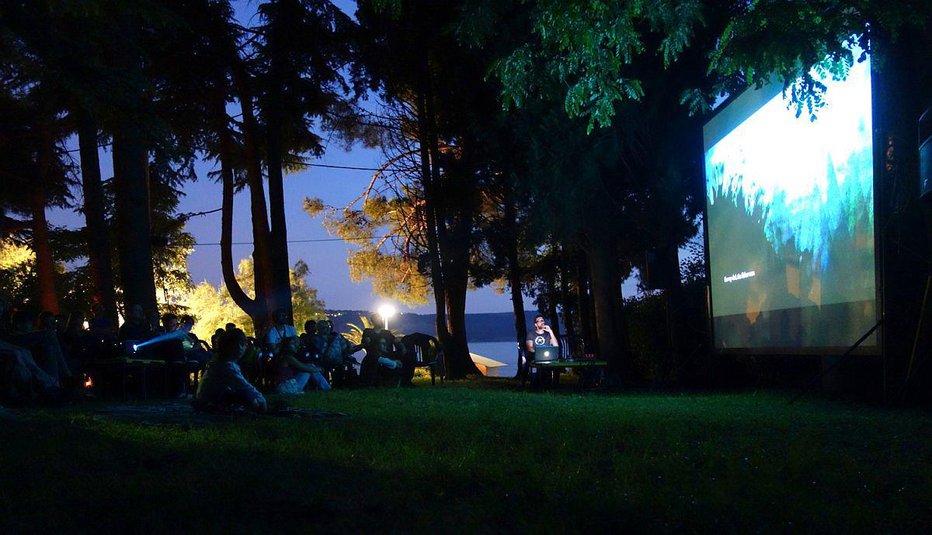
pixel 540 335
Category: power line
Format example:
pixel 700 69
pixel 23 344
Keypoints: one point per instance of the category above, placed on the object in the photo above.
pixel 325 165
pixel 352 168
pixel 303 241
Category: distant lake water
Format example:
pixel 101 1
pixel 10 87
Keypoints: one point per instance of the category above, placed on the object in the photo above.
pixel 506 352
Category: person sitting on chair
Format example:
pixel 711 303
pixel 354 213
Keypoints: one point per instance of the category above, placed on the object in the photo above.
pixel 223 386
pixel 310 330
pixel 540 335
pixel 385 359
pixel 136 328
pixel 194 347
pixel 331 346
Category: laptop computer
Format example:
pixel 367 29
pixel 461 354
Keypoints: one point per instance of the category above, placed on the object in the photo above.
pixel 546 353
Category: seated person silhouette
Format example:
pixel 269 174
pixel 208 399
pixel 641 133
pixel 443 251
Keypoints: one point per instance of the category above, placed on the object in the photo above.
pixel 42 344
pixel 294 369
pixel 280 330
pixel 335 353
pixel 223 386
pixel 385 361
pixel 134 330
pixel 21 378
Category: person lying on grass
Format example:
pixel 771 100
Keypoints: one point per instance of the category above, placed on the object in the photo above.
pixel 294 370
pixel 223 386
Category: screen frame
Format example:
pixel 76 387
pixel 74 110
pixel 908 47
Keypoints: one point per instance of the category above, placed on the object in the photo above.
pixel 760 95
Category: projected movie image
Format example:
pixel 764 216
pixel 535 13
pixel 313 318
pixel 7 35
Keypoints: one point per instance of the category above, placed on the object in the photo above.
pixel 791 219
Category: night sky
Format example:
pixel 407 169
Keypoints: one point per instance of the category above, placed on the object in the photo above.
pixel 329 273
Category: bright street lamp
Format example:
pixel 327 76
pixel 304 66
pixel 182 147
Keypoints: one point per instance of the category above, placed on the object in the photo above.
pixel 386 311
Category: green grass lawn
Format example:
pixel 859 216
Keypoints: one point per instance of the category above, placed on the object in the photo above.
pixel 477 456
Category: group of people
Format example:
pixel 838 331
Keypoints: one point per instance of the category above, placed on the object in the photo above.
pixel 310 361
pixel 299 363
pixel 45 356
pixel 41 355
pixel 305 361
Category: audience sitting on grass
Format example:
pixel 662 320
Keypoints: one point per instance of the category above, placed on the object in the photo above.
pixel 310 330
pixel 295 370
pixel 215 338
pixel 385 361
pixel 331 347
pixel 223 386
pixel 21 378
pixel 280 330
pixel 36 360
pixel 334 353
pixel 42 344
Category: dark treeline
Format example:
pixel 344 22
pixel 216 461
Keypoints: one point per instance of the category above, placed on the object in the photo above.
pixel 549 147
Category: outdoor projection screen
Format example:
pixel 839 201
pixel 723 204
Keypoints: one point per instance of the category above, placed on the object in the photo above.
pixel 790 220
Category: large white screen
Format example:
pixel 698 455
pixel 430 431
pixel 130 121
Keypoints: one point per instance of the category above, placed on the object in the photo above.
pixel 790 204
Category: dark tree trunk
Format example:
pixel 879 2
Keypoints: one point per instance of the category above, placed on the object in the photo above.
pixel 281 281
pixel 448 257
pixel 456 246
pixel 262 253
pixel 98 234
pixel 551 312
pixel 606 292
pixel 514 273
pixel 566 299
pixel 454 229
pixel 131 183
pixel 45 263
pixel 459 363
pixel 246 303
pixel 585 307
pixel 430 216
pixel 131 173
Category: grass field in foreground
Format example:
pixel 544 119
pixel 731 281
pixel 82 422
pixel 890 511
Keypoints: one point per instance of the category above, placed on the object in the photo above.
pixel 477 457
